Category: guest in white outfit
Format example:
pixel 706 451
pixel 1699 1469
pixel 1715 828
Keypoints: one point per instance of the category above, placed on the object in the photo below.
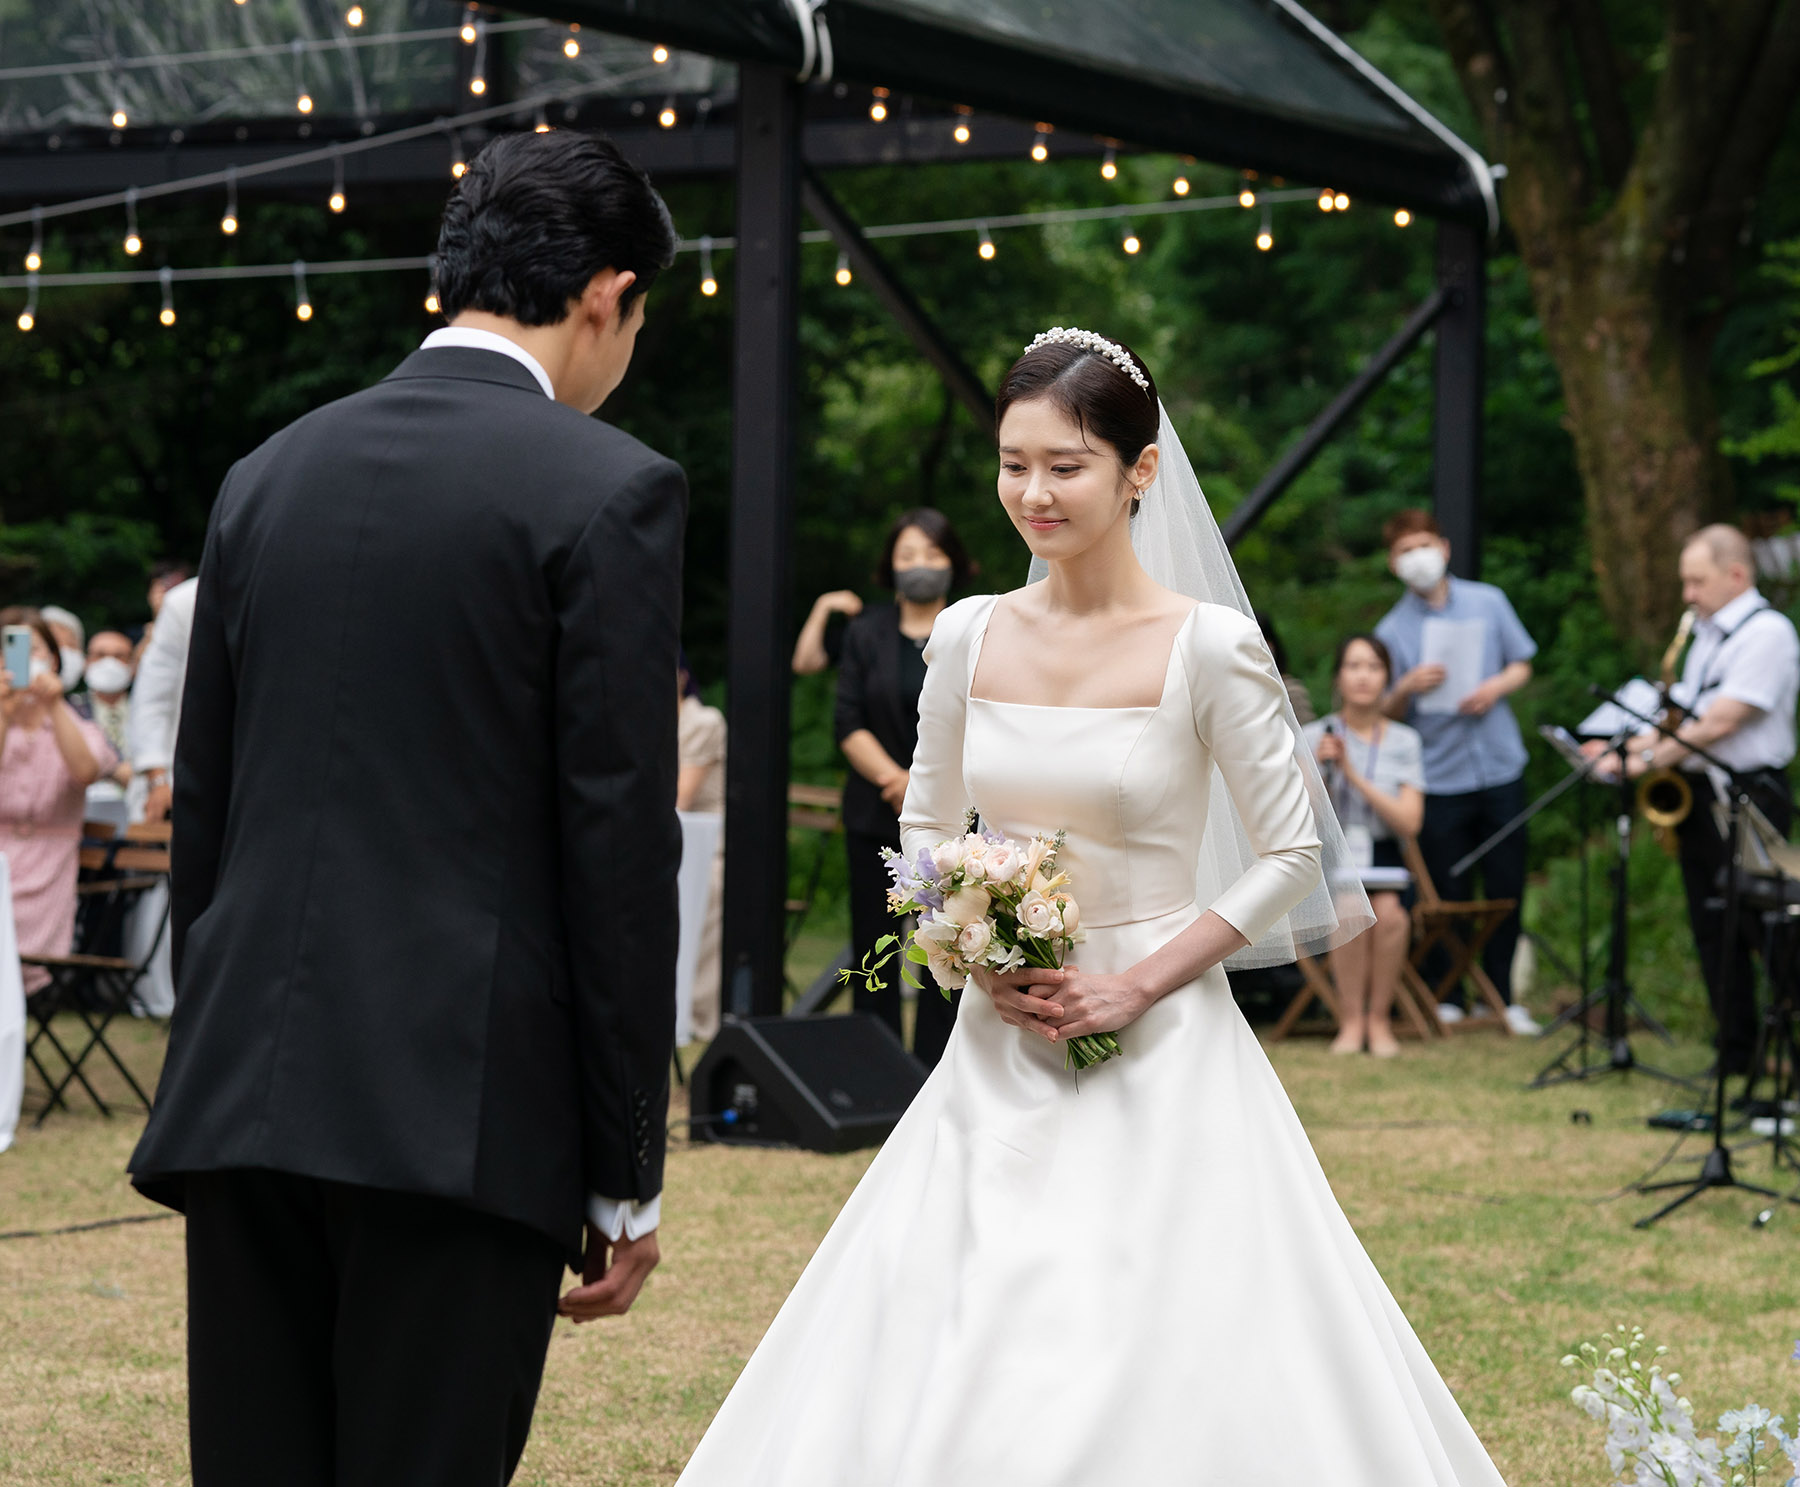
pixel 701 787
pixel 156 700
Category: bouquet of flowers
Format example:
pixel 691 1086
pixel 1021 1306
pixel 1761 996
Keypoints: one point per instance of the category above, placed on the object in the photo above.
pixel 985 902
pixel 1651 1438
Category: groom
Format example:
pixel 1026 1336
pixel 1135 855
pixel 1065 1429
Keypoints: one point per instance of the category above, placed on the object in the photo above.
pixel 424 865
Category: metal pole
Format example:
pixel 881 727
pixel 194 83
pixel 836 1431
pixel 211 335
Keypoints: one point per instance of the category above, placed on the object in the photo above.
pixel 762 521
pixel 1460 381
pixel 1249 510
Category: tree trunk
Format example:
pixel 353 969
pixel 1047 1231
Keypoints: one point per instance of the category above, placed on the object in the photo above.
pixel 1642 415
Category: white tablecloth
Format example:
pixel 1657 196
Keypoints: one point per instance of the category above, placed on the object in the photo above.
pixel 12 1015
pixel 693 886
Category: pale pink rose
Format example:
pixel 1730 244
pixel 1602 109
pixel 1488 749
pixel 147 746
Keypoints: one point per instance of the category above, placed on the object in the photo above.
pixel 974 867
pixel 942 966
pixel 1071 913
pixel 1037 914
pixel 947 856
pixel 967 905
pixel 1003 862
pixel 974 940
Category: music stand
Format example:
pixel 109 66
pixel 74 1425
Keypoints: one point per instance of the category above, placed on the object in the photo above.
pixel 1715 1167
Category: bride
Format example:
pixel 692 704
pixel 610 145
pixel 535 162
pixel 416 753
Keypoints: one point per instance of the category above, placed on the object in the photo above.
pixel 1141 1279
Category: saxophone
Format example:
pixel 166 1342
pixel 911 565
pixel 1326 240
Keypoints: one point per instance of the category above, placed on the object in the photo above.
pixel 1664 795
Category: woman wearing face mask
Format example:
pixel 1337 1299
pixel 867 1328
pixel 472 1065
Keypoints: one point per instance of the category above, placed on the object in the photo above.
pixel 48 758
pixel 880 676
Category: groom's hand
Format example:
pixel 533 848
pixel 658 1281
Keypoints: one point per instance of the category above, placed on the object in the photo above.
pixel 610 1282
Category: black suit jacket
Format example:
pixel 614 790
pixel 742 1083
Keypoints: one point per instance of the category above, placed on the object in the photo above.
pixel 423 886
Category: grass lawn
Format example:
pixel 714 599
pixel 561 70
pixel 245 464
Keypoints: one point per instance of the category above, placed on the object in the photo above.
pixel 1484 1205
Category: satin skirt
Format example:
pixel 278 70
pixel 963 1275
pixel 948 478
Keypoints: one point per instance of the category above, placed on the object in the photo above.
pixel 1138 1278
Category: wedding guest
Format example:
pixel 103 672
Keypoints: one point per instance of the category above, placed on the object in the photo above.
pixel 1375 770
pixel 880 676
pixel 48 758
pixel 1474 756
pixel 701 787
pixel 107 701
pixel 821 639
pixel 71 643
pixel 156 700
pixel 164 576
pixel 1296 689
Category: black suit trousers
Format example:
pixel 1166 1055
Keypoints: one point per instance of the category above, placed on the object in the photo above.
pixel 343 1336
pixel 1728 970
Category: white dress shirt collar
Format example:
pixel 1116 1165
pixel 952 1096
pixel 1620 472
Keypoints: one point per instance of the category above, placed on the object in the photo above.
pixel 486 340
pixel 1727 617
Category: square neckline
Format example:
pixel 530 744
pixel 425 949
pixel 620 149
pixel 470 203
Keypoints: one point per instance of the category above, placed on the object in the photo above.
pixel 980 639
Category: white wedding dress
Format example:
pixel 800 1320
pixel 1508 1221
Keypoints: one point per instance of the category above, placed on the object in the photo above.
pixel 1141 1280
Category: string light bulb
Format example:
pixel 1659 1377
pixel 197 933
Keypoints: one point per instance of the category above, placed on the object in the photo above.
pixel 34 255
pixel 119 118
pixel 878 109
pixel 471 13
pixel 458 165
pixel 542 126
pixel 1246 197
pixel 1327 200
pixel 1182 186
pixel 478 68
pixel 303 309
pixel 1265 239
pixel 303 99
pixel 668 117
pixel 134 244
pixel 843 269
pixel 167 277
pixel 985 244
pixel 659 55
pixel 337 201
pixel 28 316
pixel 572 47
pixel 228 224
pixel 432 304
pixel 1109 165
pixel 1132 243
pixel 709 286
pixel 961 133
pixel 1402 218
pixel 354 17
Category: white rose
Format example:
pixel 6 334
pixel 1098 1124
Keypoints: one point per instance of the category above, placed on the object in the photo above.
pixel 1002 862
pixel 974 867
pixel 1071 913
pixel 967 905
pixel 934 929
pixel 1037 914
pixel 974 940
pixel 943 969
pixel 947 856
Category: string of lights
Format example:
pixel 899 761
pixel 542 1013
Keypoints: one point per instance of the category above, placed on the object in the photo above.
pixel 111 65
pixel 300 271
pixel 210 179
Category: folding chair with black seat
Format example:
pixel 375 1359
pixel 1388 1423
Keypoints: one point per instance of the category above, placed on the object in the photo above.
pixel 1461 930
pixel 95 981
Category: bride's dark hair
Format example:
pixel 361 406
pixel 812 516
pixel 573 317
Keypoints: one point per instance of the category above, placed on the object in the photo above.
pixel 1091 391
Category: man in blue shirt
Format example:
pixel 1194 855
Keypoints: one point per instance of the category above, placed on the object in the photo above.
pixel 1474 756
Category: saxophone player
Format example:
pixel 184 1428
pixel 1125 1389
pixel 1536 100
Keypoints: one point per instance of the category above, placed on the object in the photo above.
pixel 1738 689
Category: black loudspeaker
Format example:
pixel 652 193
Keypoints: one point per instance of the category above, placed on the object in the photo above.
pixel 822 1083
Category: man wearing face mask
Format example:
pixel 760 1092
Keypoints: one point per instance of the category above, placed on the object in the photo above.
pixel 880 675
pixel 1474 756
pixel 107 700
pixel 71 643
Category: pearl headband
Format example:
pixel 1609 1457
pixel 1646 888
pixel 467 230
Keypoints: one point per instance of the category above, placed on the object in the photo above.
pixel 1088 341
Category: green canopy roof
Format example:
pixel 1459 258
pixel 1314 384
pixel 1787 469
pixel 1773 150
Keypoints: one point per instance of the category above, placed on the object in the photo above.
pixel 1255 83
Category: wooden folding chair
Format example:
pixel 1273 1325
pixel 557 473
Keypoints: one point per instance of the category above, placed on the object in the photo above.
pixel 1318 986
pixel 93 981
pixel 1461 929
pixel 816 808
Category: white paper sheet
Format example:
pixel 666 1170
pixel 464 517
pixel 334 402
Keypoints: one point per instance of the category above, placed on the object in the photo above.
pixel 1457 646
pixel 1609 718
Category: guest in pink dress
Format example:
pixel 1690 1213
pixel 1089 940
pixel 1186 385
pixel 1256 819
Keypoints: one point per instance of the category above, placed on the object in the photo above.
pixel 48 758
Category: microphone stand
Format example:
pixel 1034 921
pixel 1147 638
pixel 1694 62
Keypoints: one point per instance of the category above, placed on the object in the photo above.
pixel 1715 1167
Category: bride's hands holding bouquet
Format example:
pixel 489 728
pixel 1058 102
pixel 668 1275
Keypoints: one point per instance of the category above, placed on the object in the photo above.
pixel 1026 998
pixel 1097 1003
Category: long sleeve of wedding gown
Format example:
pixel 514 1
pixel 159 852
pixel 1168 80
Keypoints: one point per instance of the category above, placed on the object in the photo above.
pixel 1240 712
pixel 937 799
